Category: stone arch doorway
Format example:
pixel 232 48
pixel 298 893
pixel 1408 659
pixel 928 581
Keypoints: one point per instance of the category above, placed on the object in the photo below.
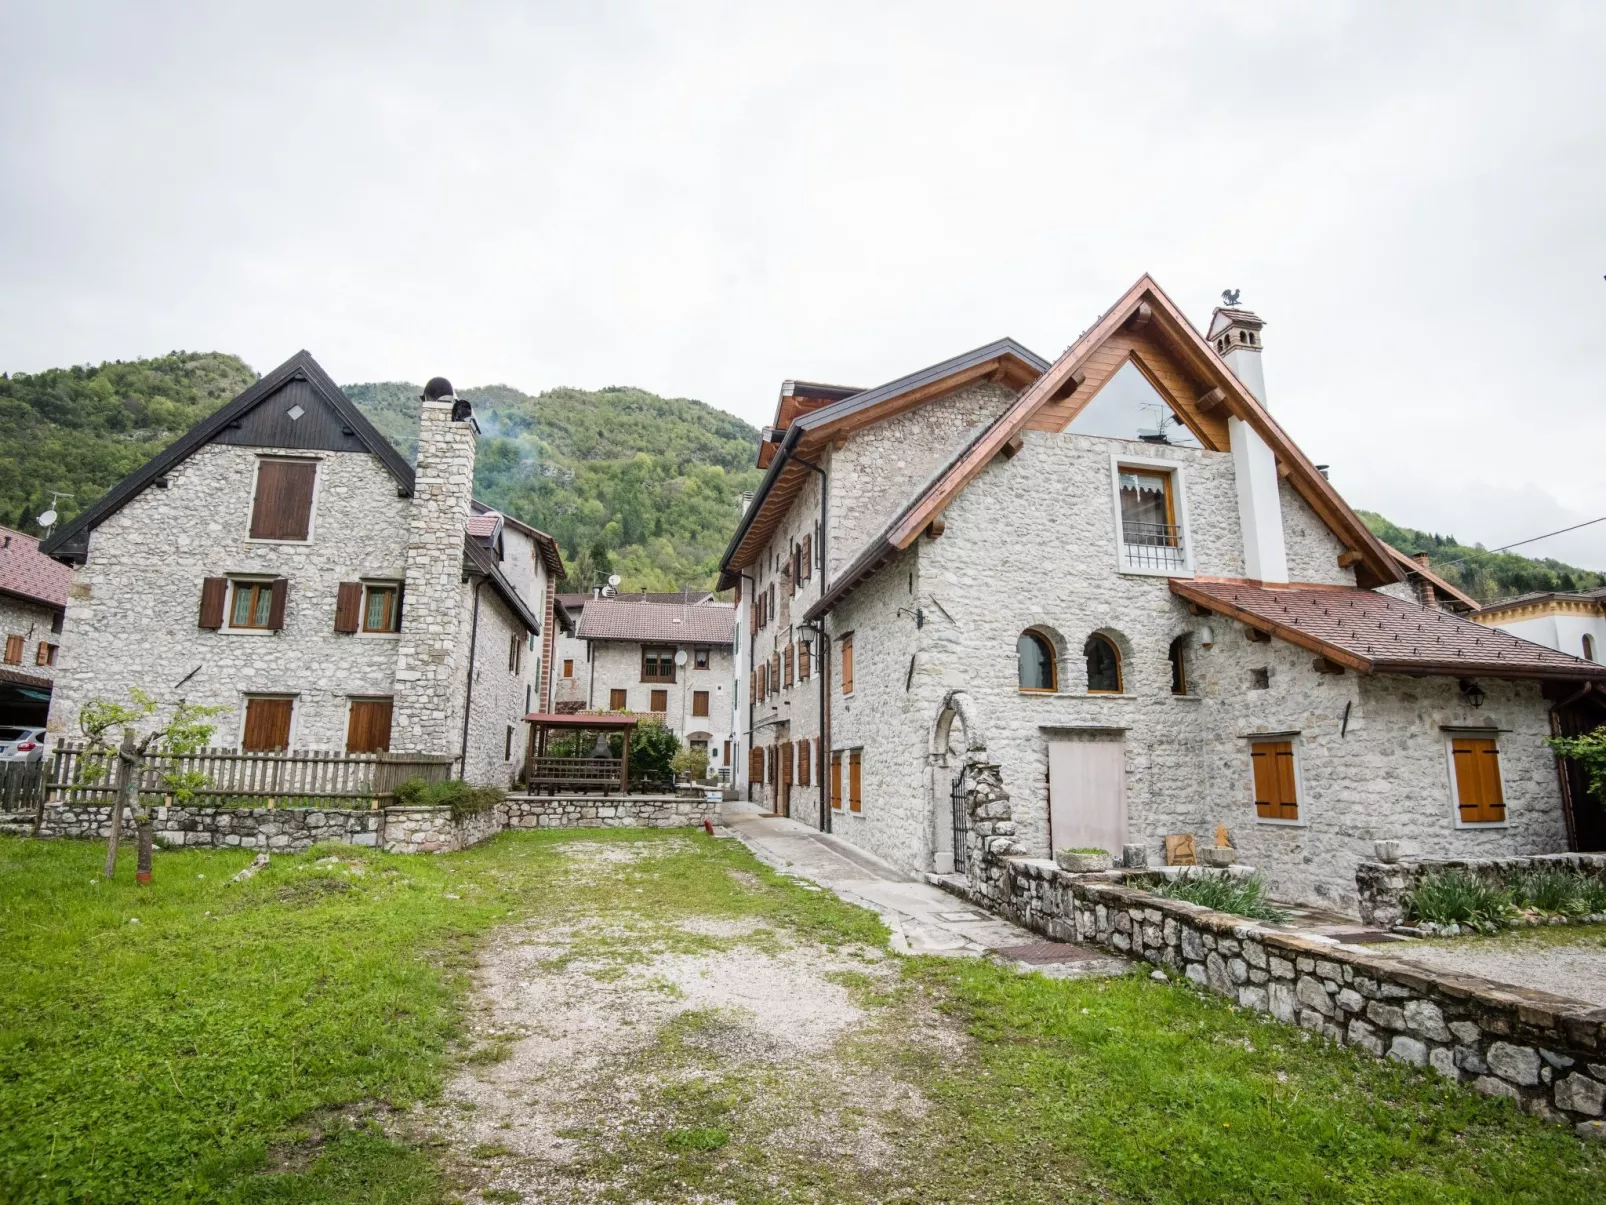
pixel 956 741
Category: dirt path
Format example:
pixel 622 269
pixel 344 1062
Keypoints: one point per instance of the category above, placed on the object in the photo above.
pixel 661 1054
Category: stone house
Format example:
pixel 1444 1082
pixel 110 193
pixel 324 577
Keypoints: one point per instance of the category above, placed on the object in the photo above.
pixel 1119 581
pixel 1574 622
pixel 664 655
pixel 33 598
pixel 285 562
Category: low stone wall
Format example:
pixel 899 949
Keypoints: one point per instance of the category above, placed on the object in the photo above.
pixel 609 811
pixel 275 829
pixel 1383 886
pixel 425 830
pixel 1545 1052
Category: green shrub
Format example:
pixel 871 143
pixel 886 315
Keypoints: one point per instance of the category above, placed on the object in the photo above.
pixel 1550 889
pixel 1593 892
pixel 652 751
pixel 1241 897
pixel 691 761
pixel 1454 897
pixel 463 798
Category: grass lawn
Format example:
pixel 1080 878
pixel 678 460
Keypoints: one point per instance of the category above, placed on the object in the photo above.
pixel 265 1042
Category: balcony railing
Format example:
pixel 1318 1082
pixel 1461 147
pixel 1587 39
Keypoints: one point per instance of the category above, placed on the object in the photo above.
pixel 1152 545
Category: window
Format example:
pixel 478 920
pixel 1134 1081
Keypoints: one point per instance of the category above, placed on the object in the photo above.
pixel 381 607
pixel 660 701
pixel 14 650
pixel 699 702
pixel 1260 679
pixel 847 664
pixel 257 605
pixel 367 726
pixel 617 700
pixel 47 653
pixel 282 508
pixel 267 723
pixel 1150 535
pixel 1475 764
pixel 515 652
pixel 803 656
pixel 855 762
pixel 1103 665
pixel 657 665
pixel 1035 656
pixel 1589 647
pixel 802 763
pixel 568 667
pixel 700 658
pixel 836 781
pixel 1178 654
pixel 1276 790
pixel 507 745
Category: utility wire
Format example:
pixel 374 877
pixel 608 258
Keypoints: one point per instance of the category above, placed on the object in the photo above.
pixel 1529 540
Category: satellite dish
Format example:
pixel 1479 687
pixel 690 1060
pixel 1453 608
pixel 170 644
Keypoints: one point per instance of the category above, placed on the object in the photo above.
pixel 48 518
pixel 614 579
pixel 680 657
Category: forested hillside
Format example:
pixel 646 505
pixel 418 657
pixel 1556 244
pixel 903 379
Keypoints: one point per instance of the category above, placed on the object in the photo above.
pixel 629 482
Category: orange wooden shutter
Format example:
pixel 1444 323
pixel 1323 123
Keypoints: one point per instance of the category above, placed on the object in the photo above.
pixel 214 592
pixel 14 650
pixel 348 607
pixel 803 656
pixel 847 664
pixel 368 726
pixel 836 781
pixel 789 678
pixel 267 725
pixel 1477 780
pixel 1276 791
pixel 855 799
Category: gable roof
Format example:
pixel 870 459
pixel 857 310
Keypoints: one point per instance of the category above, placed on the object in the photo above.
pixel 71 543
pixel 27 573
pixel 481 561
pixel 1002 359
pixel 1145 304
pixel 1414 567
pixel 482 523
pixel 1375 633
pixel 667 623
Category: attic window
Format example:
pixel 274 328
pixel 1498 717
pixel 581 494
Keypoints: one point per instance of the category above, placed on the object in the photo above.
pixel 294 413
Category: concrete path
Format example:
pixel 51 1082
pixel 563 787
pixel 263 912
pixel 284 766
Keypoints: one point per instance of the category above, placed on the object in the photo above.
pixel 923 919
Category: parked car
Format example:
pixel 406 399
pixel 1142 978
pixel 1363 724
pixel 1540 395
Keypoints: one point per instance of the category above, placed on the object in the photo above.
pixel 22 744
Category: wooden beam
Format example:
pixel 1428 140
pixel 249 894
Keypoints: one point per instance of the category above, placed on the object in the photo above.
pixel 1071 385
pixel 1195 609
pixel 1012 449
pixel 1284 468
pixel 1211 400
pixel 938 525
pixel 1256 636
pixel 1323 666
pixel 1348 557
pixel 1140 316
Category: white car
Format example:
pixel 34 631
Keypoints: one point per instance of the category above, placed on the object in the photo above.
pixel 22 744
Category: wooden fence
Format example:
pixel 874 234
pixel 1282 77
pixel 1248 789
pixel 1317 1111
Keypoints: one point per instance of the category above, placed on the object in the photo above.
pixel 220 775
pixel 22 785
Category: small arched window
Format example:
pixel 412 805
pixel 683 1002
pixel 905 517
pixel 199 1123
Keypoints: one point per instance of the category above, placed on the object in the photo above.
pixel 1036 657
pixel 1589 647
pixel 1103 665
pixel 1179 665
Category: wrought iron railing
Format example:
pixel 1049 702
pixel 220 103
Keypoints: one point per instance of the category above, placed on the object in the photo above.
pixel 1152 545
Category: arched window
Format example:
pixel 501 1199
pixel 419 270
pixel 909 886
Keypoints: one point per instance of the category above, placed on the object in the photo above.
pixel 1103 665
pixel 1589 647
pixel 1036 657
pixel 1179 665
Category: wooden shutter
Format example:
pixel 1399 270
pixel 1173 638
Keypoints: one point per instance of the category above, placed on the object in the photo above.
pixel 755 766
pixel 786 762
pixel 282 509
pixel 803 763
pixel 214 593
pixel 847 664
pixel 775 671
pixel 1276 792
pixel 808 557
pixel 368 726
pixel 660 701
pixel 14 650
pixel 855 799
pixel 267 725
pixel 789 678
pixel 699 702
pixel 803 656
pixel 836 781
pixel 617 700
pixel 1477 780
pixel 280 590
pixel 348 607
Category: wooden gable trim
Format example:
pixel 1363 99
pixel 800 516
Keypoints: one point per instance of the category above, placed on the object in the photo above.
pixel 1176 387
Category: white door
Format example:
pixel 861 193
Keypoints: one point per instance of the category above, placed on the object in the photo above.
pixel 1087 793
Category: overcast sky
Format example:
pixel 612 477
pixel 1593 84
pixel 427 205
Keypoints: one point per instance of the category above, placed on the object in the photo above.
pixel 703 200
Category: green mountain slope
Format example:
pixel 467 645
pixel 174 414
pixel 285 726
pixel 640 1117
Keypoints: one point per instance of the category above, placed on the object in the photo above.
pixel 1483 574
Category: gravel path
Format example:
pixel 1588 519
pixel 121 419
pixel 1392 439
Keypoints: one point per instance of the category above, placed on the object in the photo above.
pixel 1532 961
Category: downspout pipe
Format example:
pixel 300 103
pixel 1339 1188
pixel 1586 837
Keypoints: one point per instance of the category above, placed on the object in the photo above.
pixel 752 599
pixel 824 743
pixel 468 696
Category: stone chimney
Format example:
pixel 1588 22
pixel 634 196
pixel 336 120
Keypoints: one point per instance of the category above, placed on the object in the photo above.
pixel 432 654
pixel 1235 333
pixel 1425 593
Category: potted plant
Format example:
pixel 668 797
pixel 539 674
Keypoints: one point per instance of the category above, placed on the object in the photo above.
pixel 1084 861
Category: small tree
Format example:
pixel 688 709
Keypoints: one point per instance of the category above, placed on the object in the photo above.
pixel 652 750
pixel 1589 751
pixel 693 762
pixel 184 731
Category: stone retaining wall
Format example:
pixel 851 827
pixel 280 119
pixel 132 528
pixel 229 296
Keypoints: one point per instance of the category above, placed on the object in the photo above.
pixel 609 811
pixel 285 830
pixel 1383 886
pixel 1545 1052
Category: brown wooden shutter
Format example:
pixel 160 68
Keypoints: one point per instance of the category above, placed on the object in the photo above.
pixel 785 751
pixel 214 593
pixel 803 657
pixel 348 607
pixel 660 701
pixel 788 663
pixel 855 799
pixel 836 781
pixel 775 671
pixel 14 650
pixel 401 597
pixel 1477 779
pixel 755 766
pixel 282 509
pixel 267 725
pixel 1276 794
pixel 847 664
pixel 803 763
pixel 617 700
pixel 368 726
pixel 699 702
pixel 280 591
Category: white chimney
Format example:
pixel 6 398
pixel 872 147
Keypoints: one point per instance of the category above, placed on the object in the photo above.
pixel 1236 335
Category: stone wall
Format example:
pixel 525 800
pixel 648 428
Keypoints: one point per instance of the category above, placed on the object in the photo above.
pixel 286 830
pixel 497 702
pixel 1383 886
pixel 431 830
pixel 609 811
pixel 35 623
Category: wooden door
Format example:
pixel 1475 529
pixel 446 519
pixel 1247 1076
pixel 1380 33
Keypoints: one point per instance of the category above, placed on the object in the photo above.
pixel 368 726
pixel 267 725
pixel 783 802
pixel 1087 793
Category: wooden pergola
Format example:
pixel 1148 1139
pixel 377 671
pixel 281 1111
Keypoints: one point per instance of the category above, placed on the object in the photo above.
pixel 582 773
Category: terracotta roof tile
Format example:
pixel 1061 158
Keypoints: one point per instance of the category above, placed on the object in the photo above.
pixel 668 623
pixel 1377 633
pixel 26 571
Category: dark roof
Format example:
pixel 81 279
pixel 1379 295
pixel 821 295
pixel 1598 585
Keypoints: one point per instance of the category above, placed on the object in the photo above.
pixel 551 555
pixel 72 541
pixel 18 678
pixel 666 623
pixel 695 598
pixel 480 560
pixel 27 573
pixel 1377 633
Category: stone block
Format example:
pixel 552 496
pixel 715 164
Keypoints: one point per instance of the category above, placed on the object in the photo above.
pixel 1312 1020
pixel 1559 1061
pixel 1423 1017
pixel 1216 974
pixel 1519 1064
pixel 1192 948
pixel 1281 968
pixel 1580 1094
pixel 1491 1086
pixel 1351 1001
pixel 1239 970
pixel 1256 998
pixel 1282 1001
pixel 1304 964
pixel 1465 1032
pixel 1255 954
pixel 1363 1035
pixel 1595 1130
pixel 1329 970
pixel 1442 1060
pixel 1312 994
pixel 1408 1050
pixel 1469 1060
pixel 1386 1015
pixel 1256 975
pixel 1196 972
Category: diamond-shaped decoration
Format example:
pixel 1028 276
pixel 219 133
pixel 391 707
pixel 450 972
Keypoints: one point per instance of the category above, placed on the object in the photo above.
pixel 295 412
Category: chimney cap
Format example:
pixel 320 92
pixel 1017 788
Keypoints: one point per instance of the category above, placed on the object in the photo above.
pixel 438 389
